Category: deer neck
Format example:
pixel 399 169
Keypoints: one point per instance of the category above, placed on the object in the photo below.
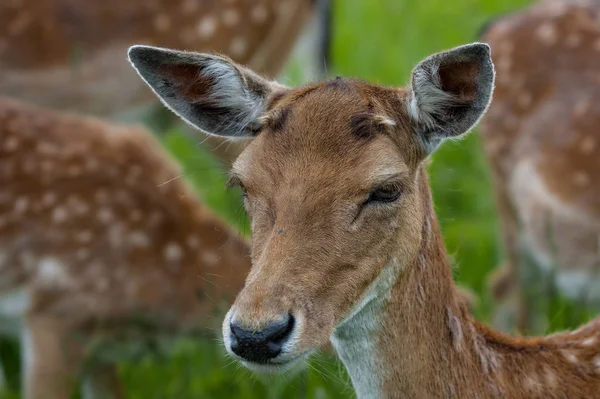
pixel 413 337
pixel 411 333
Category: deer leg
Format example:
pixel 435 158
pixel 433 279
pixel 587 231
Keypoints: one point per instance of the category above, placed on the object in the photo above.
pixel 50 359
pixel 101 381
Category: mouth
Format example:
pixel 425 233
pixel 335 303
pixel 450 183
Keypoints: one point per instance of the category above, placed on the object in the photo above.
pixel 275 366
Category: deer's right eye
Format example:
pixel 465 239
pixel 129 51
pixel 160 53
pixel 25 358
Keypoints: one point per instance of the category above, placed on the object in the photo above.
pixel 385 194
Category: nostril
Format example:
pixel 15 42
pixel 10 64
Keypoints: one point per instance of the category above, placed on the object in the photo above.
pixel 281 331
pixel 261 345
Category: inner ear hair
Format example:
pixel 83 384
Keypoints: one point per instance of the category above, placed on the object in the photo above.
pixel 450 92
pixel 459 79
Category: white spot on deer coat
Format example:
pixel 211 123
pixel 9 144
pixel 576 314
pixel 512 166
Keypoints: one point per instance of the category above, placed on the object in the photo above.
pixel 258 14
pixel 587 145
pixel 49 198
pixel 206 27
pixel 85 236
pixel 547 33
pixel 51 272
pixel 193 242
pixel 173 252
pixel 11 144
pixel 59 214
pixel 139 239
pixel 231 17
pixel 115 235
pixel 211 258
pixel 589 341
pixel 238 47
pixel 571 357
pixel 105 215
pixel 21 205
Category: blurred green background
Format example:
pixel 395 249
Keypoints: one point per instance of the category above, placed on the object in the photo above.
pixel 379 41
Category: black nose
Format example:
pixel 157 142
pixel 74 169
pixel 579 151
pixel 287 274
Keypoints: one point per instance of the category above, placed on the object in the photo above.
pixel 260 346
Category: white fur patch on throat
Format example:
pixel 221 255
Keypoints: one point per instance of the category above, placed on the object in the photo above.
pixel 353 337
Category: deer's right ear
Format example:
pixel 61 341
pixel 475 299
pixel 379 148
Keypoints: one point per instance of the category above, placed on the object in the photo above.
pixel 209 92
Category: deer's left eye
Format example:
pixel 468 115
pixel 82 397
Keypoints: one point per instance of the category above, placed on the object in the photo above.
pixel 244 191
pixel 233 182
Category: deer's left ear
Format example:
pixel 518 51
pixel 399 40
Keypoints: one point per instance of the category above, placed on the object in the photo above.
pixel 450 93
pixel 210 92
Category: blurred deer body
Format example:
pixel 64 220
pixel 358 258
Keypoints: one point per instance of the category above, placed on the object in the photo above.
pixel 541 137
pixel 68 54
pixel 98 241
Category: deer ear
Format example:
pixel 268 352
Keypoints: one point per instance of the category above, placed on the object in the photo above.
pixel 450 93
pixel 209 92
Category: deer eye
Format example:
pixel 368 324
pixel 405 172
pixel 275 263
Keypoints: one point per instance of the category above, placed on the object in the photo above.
pixel 384 194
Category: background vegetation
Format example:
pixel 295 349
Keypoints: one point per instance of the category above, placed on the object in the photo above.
pixel 380 41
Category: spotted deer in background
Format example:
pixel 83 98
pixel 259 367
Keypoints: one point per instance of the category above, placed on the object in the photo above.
pixel 345 242
pixel 100 244
pixel 542 138
pixel 68 54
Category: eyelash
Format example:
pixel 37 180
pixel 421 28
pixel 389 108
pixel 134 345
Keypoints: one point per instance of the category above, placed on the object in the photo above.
pixel 380 194
pixel 235 182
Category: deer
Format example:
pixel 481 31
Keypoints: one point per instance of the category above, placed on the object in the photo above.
pixel 68 55
pixel 540 138
pixel 101 245
pixel 345 243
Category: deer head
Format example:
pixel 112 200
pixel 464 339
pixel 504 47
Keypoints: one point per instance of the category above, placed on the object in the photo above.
pixel 333 184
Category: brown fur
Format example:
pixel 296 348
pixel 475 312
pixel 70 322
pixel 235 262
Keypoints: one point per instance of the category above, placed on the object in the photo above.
pixel 314 257
pixel 545 116
pixel 125 238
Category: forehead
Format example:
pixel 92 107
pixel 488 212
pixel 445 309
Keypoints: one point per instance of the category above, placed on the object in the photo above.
pixel 343 123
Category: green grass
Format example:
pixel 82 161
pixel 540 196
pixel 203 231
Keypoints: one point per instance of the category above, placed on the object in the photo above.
pixel 380 41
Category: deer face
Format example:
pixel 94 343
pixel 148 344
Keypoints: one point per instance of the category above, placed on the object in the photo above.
pixel 329 182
